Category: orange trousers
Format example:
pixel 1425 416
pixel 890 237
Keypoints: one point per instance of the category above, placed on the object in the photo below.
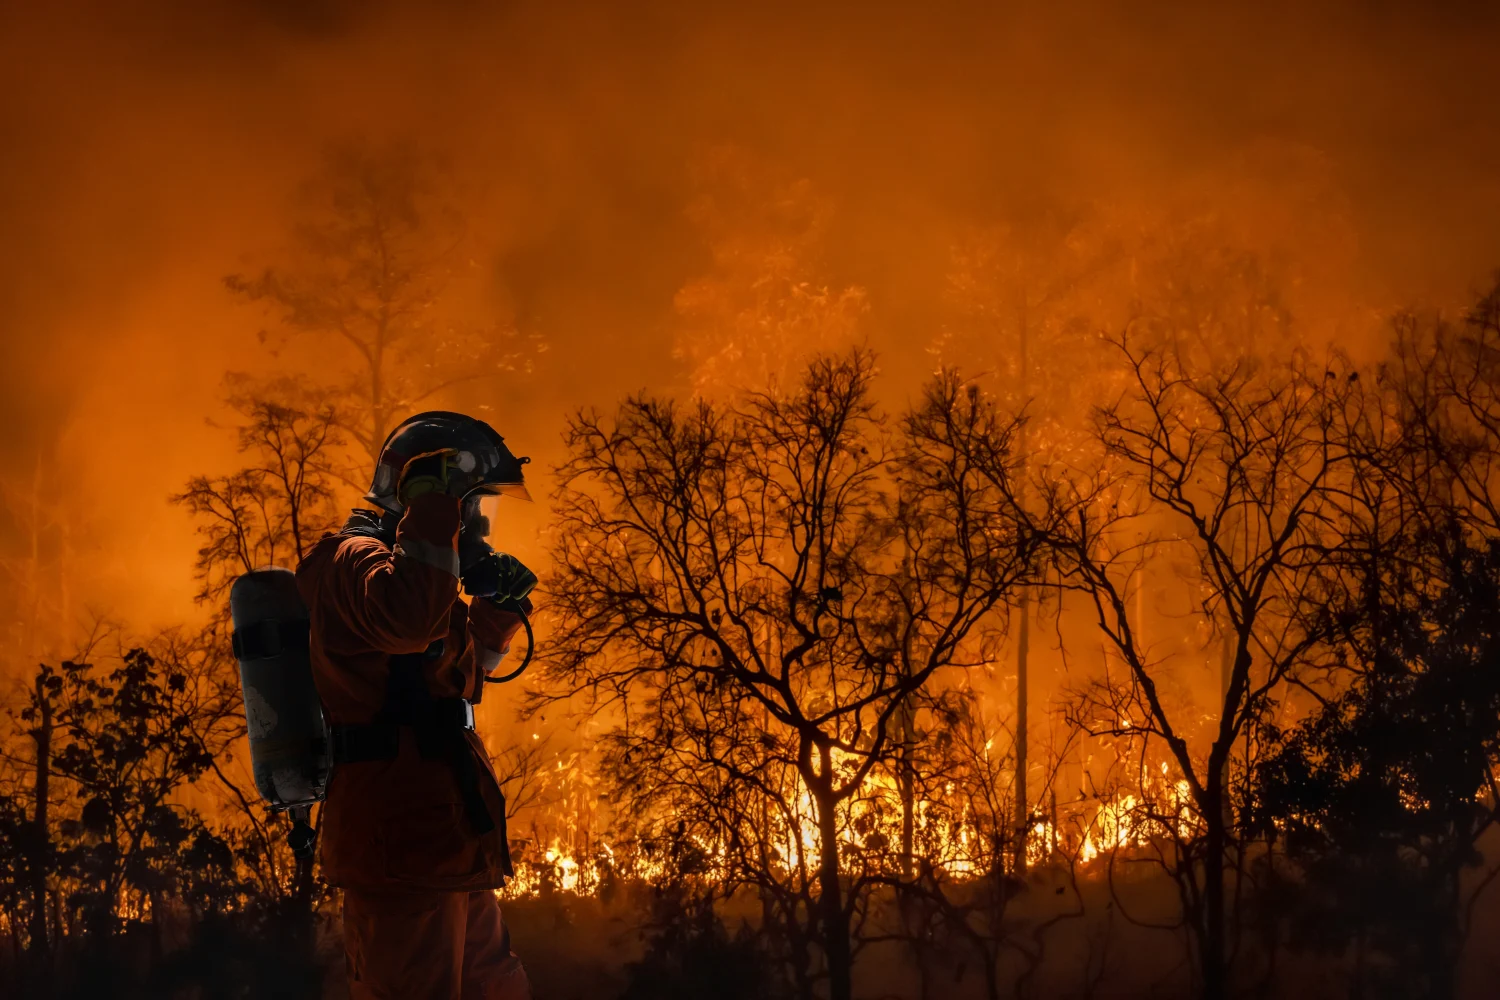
pixel 425 945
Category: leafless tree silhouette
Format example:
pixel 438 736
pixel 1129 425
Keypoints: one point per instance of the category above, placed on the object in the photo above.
pixel 760 590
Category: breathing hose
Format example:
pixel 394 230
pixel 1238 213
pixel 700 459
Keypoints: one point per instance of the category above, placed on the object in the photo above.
pixel 514 607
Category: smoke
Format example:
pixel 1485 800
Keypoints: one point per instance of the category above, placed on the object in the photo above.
pixel 153 147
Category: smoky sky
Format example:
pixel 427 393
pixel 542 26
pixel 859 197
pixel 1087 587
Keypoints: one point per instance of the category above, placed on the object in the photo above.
pixel 148 148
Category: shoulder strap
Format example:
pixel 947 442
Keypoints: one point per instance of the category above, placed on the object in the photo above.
pixel 376 524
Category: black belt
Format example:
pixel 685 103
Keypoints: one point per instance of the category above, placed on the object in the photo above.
pixel 382 740
pixel 439 731
pixel 358 744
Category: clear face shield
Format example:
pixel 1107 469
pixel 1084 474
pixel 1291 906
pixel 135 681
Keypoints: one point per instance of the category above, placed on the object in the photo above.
pixel 516 491
pixel 474 528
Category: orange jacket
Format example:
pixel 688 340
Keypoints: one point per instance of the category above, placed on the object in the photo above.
pixel 401 823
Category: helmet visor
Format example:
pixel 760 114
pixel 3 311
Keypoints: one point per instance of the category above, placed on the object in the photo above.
pixel 517 490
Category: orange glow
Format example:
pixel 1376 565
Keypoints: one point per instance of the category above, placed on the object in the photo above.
pixel 687 200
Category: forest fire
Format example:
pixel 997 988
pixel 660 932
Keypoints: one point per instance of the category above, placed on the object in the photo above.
pixel 955 844
pixel 689 501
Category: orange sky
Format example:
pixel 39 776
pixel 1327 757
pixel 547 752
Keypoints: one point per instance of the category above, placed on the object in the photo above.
pixel 151 147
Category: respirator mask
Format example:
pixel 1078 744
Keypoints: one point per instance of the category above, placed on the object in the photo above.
pixel 496 576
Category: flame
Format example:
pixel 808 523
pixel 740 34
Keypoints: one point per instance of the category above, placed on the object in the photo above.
pixel 1129 821
pixel 953 842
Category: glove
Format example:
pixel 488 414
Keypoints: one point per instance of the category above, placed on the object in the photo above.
pixel 500 577
pixel 437 472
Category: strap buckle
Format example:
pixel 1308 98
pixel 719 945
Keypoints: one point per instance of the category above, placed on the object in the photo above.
pixel 442 714
pixel 456 712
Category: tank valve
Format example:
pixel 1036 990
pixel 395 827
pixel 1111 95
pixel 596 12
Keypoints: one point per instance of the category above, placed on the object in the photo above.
pixel 302 837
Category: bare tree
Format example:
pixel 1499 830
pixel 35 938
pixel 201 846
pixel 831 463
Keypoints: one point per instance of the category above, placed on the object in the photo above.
pixel 1389 780
pixel 272 510
pixel 1235 466
pixel 372 256
pixel 1446 377
pixel 758 589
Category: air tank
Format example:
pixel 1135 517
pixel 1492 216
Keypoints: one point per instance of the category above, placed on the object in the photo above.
pixel 289 747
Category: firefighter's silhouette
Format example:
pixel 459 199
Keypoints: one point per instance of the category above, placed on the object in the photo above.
pixel 413 828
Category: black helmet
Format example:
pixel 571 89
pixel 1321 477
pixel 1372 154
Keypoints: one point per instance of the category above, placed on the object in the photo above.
pixel 481 454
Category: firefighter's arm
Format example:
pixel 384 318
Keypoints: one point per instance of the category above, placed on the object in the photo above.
pixel 399 599
pixel 491 630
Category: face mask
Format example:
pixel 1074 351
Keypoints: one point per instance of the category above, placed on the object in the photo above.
pixel 473 536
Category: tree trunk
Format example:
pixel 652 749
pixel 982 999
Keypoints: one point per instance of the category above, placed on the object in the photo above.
pixel 1023 641
pixel 1023 809
pixel 304 931
pixel 831 913
pixel 1052 831
pixel 1444 936
pixel 907 776
pixel 1357 987
pixel 158 915
pixel 40 827
pixel 1211 942
pixel 906 903
pixel 991 977
pixel 908 784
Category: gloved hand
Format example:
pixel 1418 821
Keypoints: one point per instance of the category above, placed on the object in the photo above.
pixel 437 472
pixel 500 577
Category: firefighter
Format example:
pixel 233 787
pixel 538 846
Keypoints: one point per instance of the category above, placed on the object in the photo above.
pixel 413 830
